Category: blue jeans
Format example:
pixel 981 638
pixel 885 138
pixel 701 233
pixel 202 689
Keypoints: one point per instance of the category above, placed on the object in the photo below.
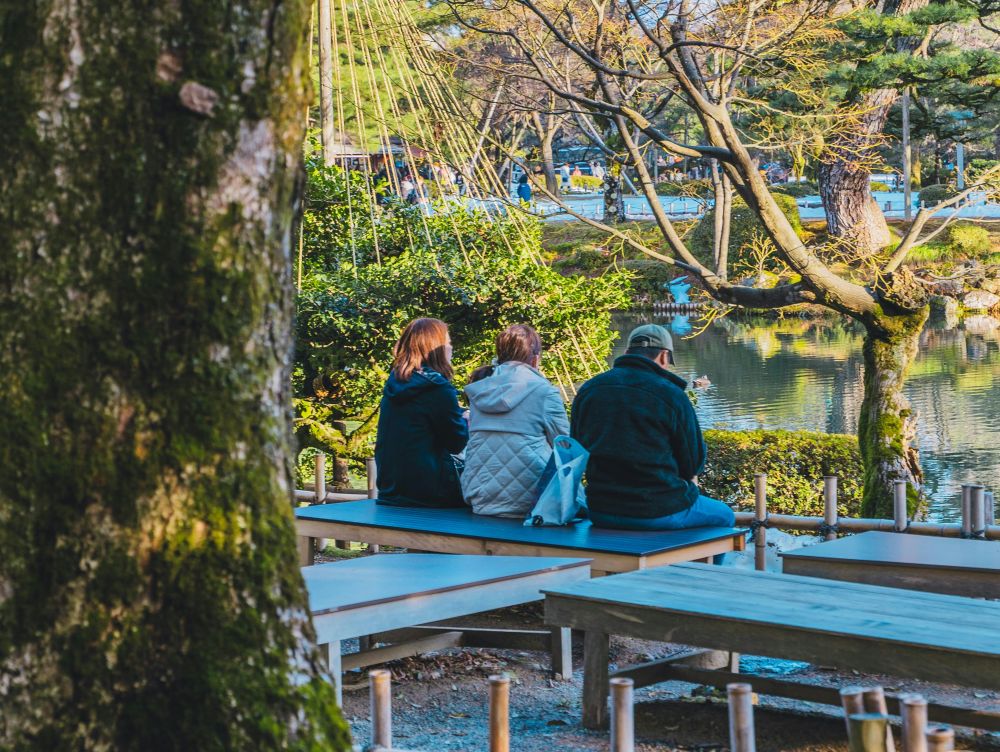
pixel 705 512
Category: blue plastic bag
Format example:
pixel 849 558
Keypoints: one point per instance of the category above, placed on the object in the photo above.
pixel 561 498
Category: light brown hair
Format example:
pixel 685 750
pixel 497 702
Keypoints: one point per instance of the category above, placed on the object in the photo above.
pixel 518 342
pixel 423 344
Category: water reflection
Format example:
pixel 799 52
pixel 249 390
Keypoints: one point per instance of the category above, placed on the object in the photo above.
pixel 807 374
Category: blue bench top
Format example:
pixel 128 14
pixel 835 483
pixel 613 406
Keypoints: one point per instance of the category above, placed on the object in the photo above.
pixel 463 523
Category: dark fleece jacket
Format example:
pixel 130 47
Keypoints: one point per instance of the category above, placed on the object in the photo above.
pixel 643 437
pixel 420 425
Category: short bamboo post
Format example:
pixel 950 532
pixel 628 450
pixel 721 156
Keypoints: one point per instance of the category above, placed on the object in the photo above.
pixel 899 512
pixel 867 732
pixel 760 517
pixel 966 510
pixel 499 714
pixel 874 700
pixel 830 506
pixel 380 692
pixel 852 701
pixel 742 737
pixel 622 719
pixel 990 505
pixel 940 739
pixel 319 489
pixel 913 712
pixel 371 475
pixel 977 505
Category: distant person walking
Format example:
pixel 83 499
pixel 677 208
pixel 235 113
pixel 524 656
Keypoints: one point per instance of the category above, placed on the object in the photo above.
pixel 515 413
pixel 524 188
pixel 564 172
pixel 420 423
pixel 645 444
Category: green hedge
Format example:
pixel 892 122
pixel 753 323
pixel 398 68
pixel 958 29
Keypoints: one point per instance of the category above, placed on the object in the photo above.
pixel 795 463
pixel 796 190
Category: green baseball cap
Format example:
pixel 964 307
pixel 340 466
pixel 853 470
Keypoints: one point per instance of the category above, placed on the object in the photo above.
pixel 651 335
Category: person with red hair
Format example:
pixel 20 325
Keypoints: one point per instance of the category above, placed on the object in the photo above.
pixel 420 425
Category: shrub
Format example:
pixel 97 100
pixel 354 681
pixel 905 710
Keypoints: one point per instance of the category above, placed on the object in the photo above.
pixel 970 240
pixel 878 185
pixel 585 182
pixel 650 278
pixel 795 463
pixel 932 194
pixel 797 190
pixel 701 188
pixel 743 226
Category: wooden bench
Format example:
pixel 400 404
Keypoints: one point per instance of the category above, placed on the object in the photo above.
pixel 915 562
pixel 372 594
pixel 459 531
pixel 941 638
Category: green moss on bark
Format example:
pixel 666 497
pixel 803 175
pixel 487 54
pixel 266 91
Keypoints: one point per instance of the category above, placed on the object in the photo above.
pixel 149 593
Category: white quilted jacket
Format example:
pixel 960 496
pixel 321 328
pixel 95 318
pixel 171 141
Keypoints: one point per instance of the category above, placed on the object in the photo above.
pixel 513 417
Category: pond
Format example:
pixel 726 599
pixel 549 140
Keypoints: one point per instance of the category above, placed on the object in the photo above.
pixel 796 373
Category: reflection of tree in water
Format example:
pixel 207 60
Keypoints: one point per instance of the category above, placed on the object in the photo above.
pixel 808 374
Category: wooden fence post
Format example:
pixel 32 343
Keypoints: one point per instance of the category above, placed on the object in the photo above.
pixel 371 475
pixel 977 506
pixel 867 732
pixel 622 719
pixel 989 503
pixel 499 714
pixel 913 712
pixel 899 512
pixel 852 701
pixel 742 737
pixel 380 692
pixel 874 699
pixel 830 506
pixel 940 739
pixel 319 489
pixel 760 517
pixel 966 510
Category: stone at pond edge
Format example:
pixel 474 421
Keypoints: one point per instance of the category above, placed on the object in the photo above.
pixel 981 324
pixel 980 300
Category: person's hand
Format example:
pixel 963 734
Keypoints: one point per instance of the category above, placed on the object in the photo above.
pixel 465 414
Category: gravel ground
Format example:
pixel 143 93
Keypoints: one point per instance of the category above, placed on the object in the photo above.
pixel 440 701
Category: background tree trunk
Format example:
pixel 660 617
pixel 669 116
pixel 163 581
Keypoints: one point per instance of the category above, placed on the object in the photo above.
pixel 149 593
pixel 887 424
pixel 614 201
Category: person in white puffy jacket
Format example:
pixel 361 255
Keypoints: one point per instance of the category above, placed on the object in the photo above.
pixel 514 415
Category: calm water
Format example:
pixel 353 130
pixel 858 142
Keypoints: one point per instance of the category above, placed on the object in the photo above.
pixel 807 374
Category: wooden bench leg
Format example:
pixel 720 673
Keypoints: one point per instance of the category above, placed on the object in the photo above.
pixel 595 680
pixel 562 653
pixel 307 550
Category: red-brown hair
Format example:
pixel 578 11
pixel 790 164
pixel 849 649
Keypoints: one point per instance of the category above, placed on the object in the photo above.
pixel 423 344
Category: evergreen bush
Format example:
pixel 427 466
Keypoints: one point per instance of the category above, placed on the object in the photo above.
pixel 969 240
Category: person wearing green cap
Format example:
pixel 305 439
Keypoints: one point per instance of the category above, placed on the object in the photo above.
pixel 646 447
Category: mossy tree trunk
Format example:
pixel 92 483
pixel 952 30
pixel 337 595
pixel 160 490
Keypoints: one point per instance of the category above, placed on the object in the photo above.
pixel 887 424
pixel 149 593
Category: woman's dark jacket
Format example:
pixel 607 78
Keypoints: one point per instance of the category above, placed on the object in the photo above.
pixel 644 440
pixel 420 425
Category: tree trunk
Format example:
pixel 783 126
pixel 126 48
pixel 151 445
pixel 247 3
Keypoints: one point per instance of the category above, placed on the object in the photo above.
pixel 887 424
pixel 549 163
pixel 149 593
pixel 614 202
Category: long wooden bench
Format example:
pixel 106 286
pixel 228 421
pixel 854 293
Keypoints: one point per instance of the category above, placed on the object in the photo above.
pixel 941 638
pixel 390 592
pixel 940 565
pixel 459 531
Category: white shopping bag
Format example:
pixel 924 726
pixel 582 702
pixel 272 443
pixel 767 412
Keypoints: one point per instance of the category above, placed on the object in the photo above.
pixel 561 498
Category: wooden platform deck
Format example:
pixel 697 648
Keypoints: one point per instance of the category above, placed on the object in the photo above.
pixel 459 531
pixel 940 638
pixel 939 565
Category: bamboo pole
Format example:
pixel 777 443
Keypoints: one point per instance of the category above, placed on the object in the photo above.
pixel 380 692
pixel 499 714
pixel 852 701
pixel 940 739
pixel 966 510
pixel 742 737
pixel 899 511
pixel 989 502
pixel 622 719
pixel 371 475
pixel 319 489
pixel 977 507
pixel 913 712
pixel 830 505
pixel 874 700
pixel 867 732
pixel 760 517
